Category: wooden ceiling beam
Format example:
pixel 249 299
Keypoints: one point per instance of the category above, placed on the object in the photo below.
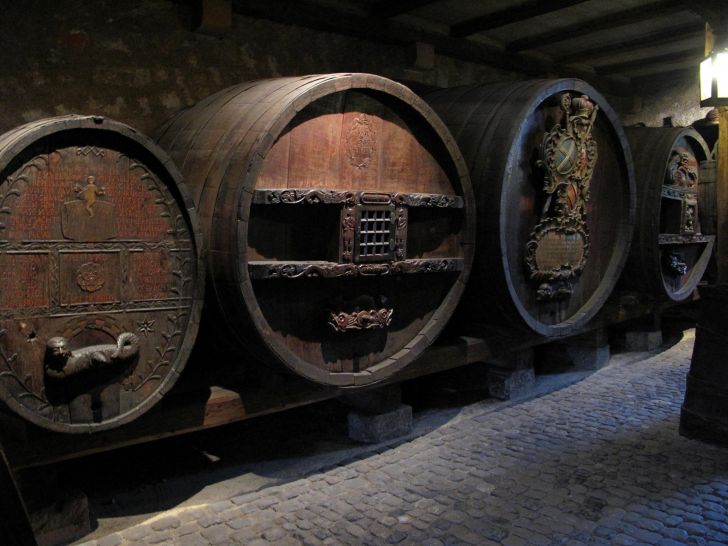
pixel 532 8
pixel 603 22
pixel 655 39
pixel 384 9
pixel 681 56
pixel 309 14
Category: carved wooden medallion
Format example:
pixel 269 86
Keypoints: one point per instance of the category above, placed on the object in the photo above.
pixel 558 247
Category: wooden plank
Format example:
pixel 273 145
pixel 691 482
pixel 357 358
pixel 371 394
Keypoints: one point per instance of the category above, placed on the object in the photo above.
pixel 212 406
pixel 194 405
pixel 387 9
pixel 514 14
pixel 603 22
pixel 15 527
pixel 692 56
pixel 664 37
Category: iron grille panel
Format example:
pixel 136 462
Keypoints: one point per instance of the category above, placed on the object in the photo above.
pixel 373 241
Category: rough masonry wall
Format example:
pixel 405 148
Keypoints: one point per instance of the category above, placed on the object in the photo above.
pixel 138 61
pixel 678 100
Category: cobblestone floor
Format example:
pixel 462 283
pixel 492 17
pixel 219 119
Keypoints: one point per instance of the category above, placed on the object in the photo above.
pixel 598 462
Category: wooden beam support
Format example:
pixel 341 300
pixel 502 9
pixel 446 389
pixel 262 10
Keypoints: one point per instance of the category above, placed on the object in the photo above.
pixel 671 58
pixel 521 12
pixel 15 528
pixel 307 14
pixel 655 39
pixel 213 17
pixel 384 9
pixel 603 22
pixel 722 195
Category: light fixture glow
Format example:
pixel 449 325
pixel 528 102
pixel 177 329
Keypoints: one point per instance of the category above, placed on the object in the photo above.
pixel 714 79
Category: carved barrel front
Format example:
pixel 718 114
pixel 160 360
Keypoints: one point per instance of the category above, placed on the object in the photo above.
pixel 101 289
pixel 339 219
pixel 671 249
pixel 554 186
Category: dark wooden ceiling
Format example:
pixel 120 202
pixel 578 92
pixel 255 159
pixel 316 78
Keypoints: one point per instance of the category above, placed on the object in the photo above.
pixel 615 44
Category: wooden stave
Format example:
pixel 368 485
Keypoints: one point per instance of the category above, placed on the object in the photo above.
pixel 15 142
pixel 495 103
pixel 253 136
pixel 651 149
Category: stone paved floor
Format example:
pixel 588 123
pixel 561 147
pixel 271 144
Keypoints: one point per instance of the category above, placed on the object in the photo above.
pixel 598 462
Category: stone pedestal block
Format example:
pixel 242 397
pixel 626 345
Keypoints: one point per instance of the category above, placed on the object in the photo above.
pixel 373 428
pixel 63 522
pixel 584 352
pixel 642 340
pixel 508 384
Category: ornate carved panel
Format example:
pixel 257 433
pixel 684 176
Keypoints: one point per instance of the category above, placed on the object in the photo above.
pixel 367 319
pixel 558 247
pixel 98 279
pixel 351 198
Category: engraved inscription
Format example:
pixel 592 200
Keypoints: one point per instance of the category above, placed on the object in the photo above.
pixel 557 248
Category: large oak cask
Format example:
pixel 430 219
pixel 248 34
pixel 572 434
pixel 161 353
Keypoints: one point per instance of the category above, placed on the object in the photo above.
pixel 100 273
pixel 338 217
pixel 670 252
pixel 554 185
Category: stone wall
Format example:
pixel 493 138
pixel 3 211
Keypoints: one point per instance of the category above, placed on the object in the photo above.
pixel 678 99
pixel 139 62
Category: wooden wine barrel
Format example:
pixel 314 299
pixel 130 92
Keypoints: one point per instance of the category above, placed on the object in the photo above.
pixel 554 185
pixel 338 215
pixel 101 286
pixel 669 253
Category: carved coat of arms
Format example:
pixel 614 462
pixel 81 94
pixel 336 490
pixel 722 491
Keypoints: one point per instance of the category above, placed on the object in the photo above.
pixel 558 247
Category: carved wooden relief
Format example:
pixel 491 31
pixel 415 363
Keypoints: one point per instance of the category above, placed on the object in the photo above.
pixel 372 235
pixel 98 271
pixel 278 270
pixel 351 198
pixel 679 208
pixel 368 319
pixel 680 193
pixel 558 247
pixel 361 141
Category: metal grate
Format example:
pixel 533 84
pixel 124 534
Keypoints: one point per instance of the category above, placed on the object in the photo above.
pixel 374 234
